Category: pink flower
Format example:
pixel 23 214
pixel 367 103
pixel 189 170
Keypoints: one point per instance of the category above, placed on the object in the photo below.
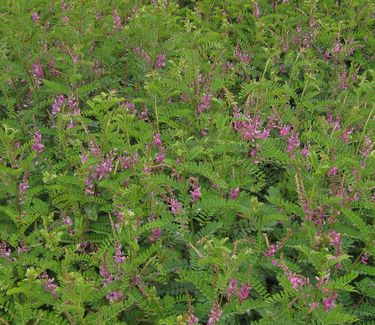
pixel 70 125
pixel 175 206
pixel 332 171
pixel 335 238
pixel 114 296
pixel 329 303
pixel 345 135
pixel 232 288
pixel 22 248
pixel 37 70
pixel 68 220
pixel 366 147
pixel 156 141
pixel 293 142
pixel 50 286
pixel 160 61
pixel 192 319
pixel 272 250
pixel 297 281
pixel 155 234
pixel 215 314
pixel 205 103
pixel 244 292
pixel 84 158
pixel 119 256
pixel 336 48
pixel 343 80
pixel 94 149
pixel 305 151
pixel 241 56
pixel 116 19
pixel 37 145
pixel 144 114
pixel 196 194
pixel 103 169
pixel 57 104
pixel 35 17
pixel 73 106
pixel 23 186
pixel 327 55
pixel 89 190
pixel 234 193
pixel 160 157
pixel 5 250
pixel 131 107
pixel 103 271
pixel 65 20
pixel 142 54
pixel 365 257
pixel 256 9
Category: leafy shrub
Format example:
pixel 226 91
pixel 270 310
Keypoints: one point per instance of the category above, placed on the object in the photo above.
pixel 176 162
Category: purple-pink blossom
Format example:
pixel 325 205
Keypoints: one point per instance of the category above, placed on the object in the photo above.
pixel 73 105
pixel 5 250
pixel 233 194
pixel 119 255
pixel 332 171
pixel 35 17
pixel 57 104
pixel 68 220
pixel 293 142
pixel 103 271
pixel 243 57
pixel 37 70
pixel 205 103
pixel 144 114
pixel 23 186
pixel 114 296
pixel 366 147
pixel 196 194
pixel 103 169
pixel 160 157
pixel 296 281
pixel 215 314
pixel 284 130
pixel 175 205
pixel 192 319
pixel 160 61
pixel 272 250
pixel 155 234
pixel 244 291
pixel 305 151
pixel 116 19
pixel 156 140
pixel 251 128
pixel 330 302
pixel 37 145
pixel 232 288
pixel 256 9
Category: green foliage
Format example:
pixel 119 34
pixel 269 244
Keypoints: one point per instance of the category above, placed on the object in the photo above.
pixel 166 160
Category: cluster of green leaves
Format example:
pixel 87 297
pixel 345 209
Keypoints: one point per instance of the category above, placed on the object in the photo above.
pixel 309 66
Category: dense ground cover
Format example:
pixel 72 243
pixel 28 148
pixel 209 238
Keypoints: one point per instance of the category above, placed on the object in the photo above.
pixel 185 162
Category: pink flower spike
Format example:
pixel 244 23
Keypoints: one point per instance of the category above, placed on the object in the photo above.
pixel 234 193
pixel 35 17
pixel 244 292
pixel 155 234
pixel 256 9
pixel 232 288
pixel 196 194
